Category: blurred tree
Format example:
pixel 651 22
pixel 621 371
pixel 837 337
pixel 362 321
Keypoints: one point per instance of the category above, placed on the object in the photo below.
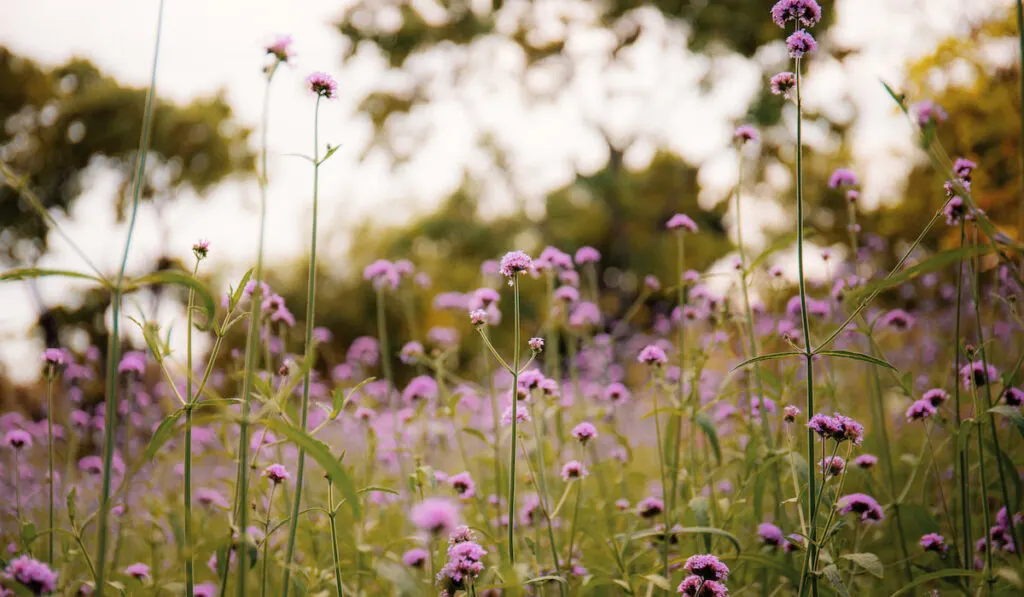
pixel 61 122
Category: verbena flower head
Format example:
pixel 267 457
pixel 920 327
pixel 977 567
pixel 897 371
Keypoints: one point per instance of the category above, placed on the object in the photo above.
pixel 463 567
pixel 54 357
pixel 436 516
pixel 132 362
pixel 782 83
pixel 382 274
pixel 617 393
pixel 920 410
pixel 934 542
pixel 649 507
pixel 206 589
pixel 695 586
pixel 652 355
pixel 680 222
pixel 1014 397
pixel 860 503
pixel 138 571
pixel 567 294
pixel 522 416
pixel 364 350
pixel 463 485
pixel 411 353
pixel 790 413
pixel 478 317
pixel 415 558
pixel 744 133
pixel 928 112
pixel 799 43
pixel 837 427
pixel 977 374
pixel 584 432
pixel 652 283
pixel 322 85
pixel 832 466
pixel 31 574
pixel 276 473
pixel 515 263
pixel 898 319
pixel 770 534
pixel 18 439
pixel 201 249
pixel 805 12
pixel 574 469
pixel 211 497
pixel 963 168
pixel 843 177
pixel 707 567
pixel 281 49
pixel 866 461
pixel 585 255
pixel 536 344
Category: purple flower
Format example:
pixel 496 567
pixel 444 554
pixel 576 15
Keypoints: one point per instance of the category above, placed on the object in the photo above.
pixel 585 315
pixel 652 355
pixel 478 317
pixel 322 85
pixel 898 319
pixel 276 473
pixel 364 350
pixel 862 504
pixel 586 255
pixel 281 49
pixel 132 362
pixel 804 12
pixel 649 507
pixel 139 571
pixel 32 574
pixel 707 567
pixel 866 461
pixel 843 178
pixel 928 112
pixel 837 427
pixel 744 133
pixel 617 393
pixel 832 466
pixel 553 258
pixel 211 497
pixel 18 439
pixel 584 432
pixel 515 263
pixel 574 469
pixel 415 558
pixel 567 294
pixel 207 589
pixel 483 298
pixel 411 353
pixel 920 410
pixel 382 274
pixel 536 344
pixel 695 586
pixel 800 43
pixel 963 167
pixel 652 283
pixel 463 567
pixel 681 222
pixel 770 534
pixel 421 387
pixel 463 485
pixel 782 83
pixel 1013 397
pixel 790 413
pixel 934 542
pixel 977 374
pixel 201 249
pixel 437 516
pixel 54 357
pixel 522 416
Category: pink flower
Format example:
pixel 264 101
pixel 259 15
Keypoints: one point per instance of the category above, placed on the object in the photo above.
pixel 322 85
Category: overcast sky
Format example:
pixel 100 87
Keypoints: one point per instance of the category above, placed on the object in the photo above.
pixel 217 45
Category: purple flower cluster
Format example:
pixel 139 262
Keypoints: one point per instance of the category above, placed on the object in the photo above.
pixel 837 427
pixel 864 505
pixel 463 567
pixel 805 12
pixel 31 574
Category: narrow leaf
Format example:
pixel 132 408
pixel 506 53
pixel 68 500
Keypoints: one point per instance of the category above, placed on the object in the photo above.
pixel 768 357
pixel 162 435
pixel 709 430
pixel 1011 413
pixel 948 573
pixel 26 273
pixel 857 356
pixel 867 561
pixel 209 305
pixel 831 572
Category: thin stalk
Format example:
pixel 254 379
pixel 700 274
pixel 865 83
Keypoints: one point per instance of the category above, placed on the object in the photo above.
pixel 300 468
pixel 808 354
pixel 512 446
pixel 965 491
pixel 542 484
pixel 1020 38
pixel 113 343
pixel 189 559
pixel 334 539
pixel 664 482
pixel 49 448
pixel 496 421
pixel 670 500
pixel 266 541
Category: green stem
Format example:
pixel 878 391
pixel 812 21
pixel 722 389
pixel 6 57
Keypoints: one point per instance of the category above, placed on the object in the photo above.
pixel 512 445
pixel 334 540
pixel 266 541
pixel 965 491
pixel 189 558
pixel 664 483
pixel 113 343
pixel 300 468
pixel 1020 38
pixel 808 354
pixel 49 447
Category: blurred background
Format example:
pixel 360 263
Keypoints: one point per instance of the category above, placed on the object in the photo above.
pixel 468 128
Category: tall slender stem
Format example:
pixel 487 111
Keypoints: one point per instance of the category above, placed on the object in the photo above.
pixel 300 469
pixel 189 559
pixel 512 446
pixel 808 351
pixel 266 541
pixel 49 448
pixel 113 343
pixel 965 492
pixel 1020 38
pixel 334 539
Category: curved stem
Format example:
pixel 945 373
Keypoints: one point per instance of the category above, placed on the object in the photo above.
pixel 113 343
pixel 310 315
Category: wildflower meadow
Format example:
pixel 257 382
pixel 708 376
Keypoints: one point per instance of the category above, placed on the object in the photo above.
pixel 736 433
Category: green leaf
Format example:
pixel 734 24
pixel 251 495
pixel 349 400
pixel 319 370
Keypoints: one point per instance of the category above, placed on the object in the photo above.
pixel 330 152
pixel 162 435
pixel 236 296
pixel 1011 413
pixel 475 433
pixel 948 573
pixel 25 273
pixel 699 507
pixel 709 430
pixel 543 579
pixel 70 502
pixel 209 305
pixel 692 531
pixel 846 354
pixel 28 533
pixel 659 581
pixel 322 454
pixel 933 263
pixel 768 357
pixel 831 572
pixel 867 561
